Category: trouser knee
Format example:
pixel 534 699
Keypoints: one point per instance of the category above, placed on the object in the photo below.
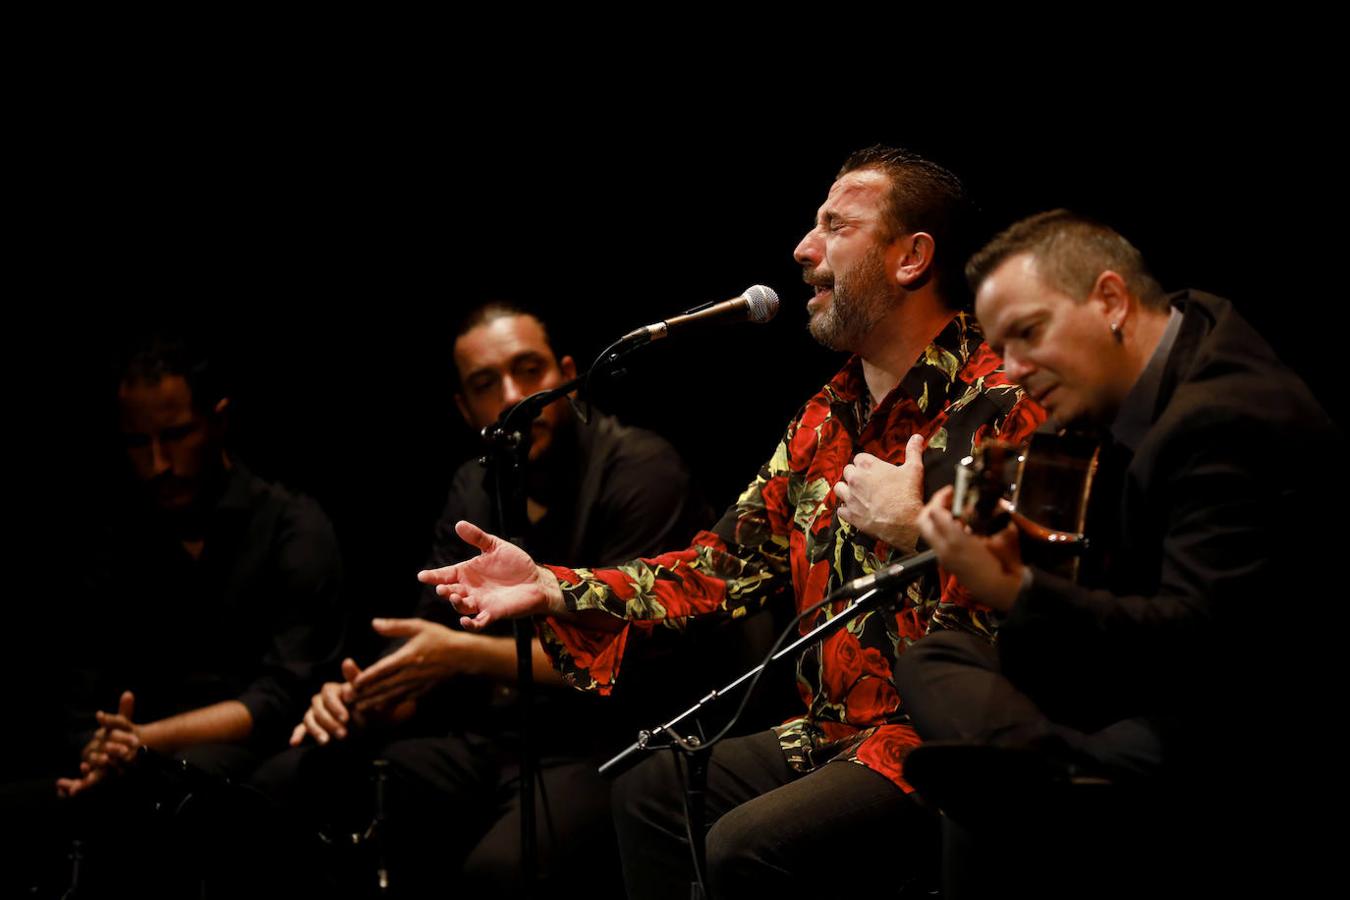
pixel 647 795
pixel 741 851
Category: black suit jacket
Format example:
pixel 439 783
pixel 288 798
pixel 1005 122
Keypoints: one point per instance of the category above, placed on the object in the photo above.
pixel 1206 560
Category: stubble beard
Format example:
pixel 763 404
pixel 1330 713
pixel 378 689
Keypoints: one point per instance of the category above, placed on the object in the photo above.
pixel 860 301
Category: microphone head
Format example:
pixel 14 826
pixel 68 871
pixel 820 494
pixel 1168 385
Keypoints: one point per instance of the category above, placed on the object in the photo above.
pixel 761 303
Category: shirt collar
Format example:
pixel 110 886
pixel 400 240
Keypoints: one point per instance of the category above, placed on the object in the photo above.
pixel 929 381
pixel 1136 413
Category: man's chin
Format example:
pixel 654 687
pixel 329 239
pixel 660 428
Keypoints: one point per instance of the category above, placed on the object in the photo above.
pixel 1061 416
pixel 826 331
pixel 174 501
pixel 541 439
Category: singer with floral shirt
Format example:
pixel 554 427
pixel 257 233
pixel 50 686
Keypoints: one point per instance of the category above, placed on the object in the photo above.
pixel 838 499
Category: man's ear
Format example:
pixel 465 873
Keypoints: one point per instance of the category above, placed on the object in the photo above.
pixel 218 421
pixel 1113 298
pixel 917 258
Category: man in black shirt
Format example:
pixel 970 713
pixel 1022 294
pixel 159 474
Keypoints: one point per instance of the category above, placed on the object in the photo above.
pixel 212 598
pixel 437 705
pixel 209 609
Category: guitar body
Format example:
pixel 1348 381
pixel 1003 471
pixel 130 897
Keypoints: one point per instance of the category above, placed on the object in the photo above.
pixel 1045 487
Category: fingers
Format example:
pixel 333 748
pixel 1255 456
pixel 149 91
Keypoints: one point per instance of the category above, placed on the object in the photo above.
pixel 350 670
pixel 912 468
pixel 314 729
pixel 947 530
pixel 95 743
pixel 1007 548
pixel 120 750
pixel 470 534
pixel 326 715
pixel 382 669
pixel 390 691
pixel 69 787
pixel 462 602
pixel 332 712
pixel 398 627
pixel 476 623
pixel 298 735
pixel 109 721
pixel 474 536
pixel 936 522
pixel 443 575
pixel 126 708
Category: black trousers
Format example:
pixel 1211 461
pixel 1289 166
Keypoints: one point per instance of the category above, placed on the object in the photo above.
pixel 1183 814
pixel 954 688
pixel 452 808
pixel 838 830
pixel 164 829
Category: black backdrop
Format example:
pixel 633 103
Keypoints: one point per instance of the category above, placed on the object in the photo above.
pixel 323 235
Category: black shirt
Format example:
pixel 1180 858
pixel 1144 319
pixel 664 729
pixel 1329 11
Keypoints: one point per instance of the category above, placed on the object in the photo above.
pixel 613 492
pixel 256 618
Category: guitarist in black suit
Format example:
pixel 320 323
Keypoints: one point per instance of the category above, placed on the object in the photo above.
pixel 1160 673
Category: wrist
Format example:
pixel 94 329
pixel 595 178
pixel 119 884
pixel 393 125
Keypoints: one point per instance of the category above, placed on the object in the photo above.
pixel 552 589
pixel 473 654
pixel 153 736
pixel 906 542
pixel 902 536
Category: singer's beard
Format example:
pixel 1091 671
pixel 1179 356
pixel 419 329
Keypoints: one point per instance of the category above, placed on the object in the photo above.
pixel 859 301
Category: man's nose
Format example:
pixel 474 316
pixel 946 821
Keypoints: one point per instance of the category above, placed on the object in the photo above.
pixel 1016 367
pixel 511 391
pixel 808 252
pixel 159 458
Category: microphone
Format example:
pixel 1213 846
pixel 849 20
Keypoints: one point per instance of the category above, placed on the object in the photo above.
pixel 757 304
pixel 897 573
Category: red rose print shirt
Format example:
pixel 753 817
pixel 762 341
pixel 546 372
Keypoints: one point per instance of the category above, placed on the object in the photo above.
pixel 783 540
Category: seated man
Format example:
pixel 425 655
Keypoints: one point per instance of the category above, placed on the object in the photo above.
pixel 837 500
pixel 1136 676
pixel 438 704
pixel 210 607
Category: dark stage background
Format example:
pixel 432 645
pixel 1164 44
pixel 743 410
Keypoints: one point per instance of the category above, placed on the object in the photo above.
pixel 323 243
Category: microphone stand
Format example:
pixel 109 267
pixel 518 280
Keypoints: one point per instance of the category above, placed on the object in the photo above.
pixel 506 457
pixel 696 752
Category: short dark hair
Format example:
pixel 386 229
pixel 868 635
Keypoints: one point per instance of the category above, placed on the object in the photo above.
pixel 924 196
pixel 1071 252
pixel 152 358
pixel 491 311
